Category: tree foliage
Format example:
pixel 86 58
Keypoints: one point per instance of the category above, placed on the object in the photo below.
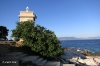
pixel 16 39
pixel 38 38
pixel 3 32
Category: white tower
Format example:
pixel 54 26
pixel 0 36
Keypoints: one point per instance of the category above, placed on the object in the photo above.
pixel 27 15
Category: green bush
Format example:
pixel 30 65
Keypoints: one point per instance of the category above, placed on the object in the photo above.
pixel 16 39
pixel 39 38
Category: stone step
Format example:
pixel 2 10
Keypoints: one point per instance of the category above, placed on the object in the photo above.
pixel 52 63
pixel 63 61
pixel 38 60
pixel 23 55
pixel 2 58
pixel 29 58
pixel 2 64
pixel 42 63
pixel 68 64
pixel 20 56
pixel 12 58
pixel 7 58
pixel 4 45
pixel 3 52
pixel 2 48
pixel 13 54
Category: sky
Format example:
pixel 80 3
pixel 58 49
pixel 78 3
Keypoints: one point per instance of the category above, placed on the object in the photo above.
pixel 67 18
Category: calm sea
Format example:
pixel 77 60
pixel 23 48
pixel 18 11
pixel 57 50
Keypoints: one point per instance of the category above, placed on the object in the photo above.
pixel 92 45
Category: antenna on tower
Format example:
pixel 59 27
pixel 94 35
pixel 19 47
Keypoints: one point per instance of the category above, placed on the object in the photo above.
pixel 27 9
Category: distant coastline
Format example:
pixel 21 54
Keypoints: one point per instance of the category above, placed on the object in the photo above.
pixel 74 38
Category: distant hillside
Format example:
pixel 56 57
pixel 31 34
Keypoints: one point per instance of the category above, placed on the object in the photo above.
pixel 94 37
pixel 74 38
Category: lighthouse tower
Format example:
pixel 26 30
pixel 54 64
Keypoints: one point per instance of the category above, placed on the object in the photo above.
pixel 27 15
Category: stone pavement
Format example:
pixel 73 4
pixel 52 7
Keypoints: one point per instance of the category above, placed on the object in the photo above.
pixel 9 58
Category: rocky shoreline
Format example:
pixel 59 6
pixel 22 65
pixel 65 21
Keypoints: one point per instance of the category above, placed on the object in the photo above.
pixel 84 51
pixel 80 57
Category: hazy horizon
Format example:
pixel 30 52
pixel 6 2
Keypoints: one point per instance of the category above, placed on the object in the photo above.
pixel 67 18
pixel 78 37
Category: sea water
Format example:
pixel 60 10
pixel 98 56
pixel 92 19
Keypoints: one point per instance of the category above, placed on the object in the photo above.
pixel 92 45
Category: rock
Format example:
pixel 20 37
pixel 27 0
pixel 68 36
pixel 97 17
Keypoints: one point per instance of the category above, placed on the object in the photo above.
pixel 63 61
pixel 52 63
pixel 90 62
pixel 73 53
pixel 74 59
pixel 81 61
